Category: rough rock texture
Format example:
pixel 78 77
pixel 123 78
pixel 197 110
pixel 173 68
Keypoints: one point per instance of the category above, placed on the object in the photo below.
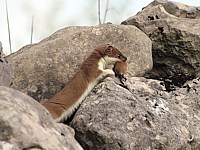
pixel 176 40
pixel 143 117
pixel 6 73
pixel 25 124
pixel 42 69
pixel 178 9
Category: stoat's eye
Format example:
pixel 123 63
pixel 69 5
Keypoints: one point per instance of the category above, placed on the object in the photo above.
pixel 118 55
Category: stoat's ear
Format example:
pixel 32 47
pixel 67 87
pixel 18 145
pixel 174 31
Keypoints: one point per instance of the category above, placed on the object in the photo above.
pixel 109 49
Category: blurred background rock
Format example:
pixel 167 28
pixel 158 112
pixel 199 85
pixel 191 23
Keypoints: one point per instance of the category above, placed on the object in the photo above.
pixel 49 16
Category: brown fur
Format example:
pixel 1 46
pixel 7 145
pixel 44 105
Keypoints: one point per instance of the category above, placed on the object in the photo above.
pixel 120 69
pixel 64 103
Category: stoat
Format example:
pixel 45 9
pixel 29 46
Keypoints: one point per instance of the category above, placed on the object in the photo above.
pixel 63 104
pixel 120 69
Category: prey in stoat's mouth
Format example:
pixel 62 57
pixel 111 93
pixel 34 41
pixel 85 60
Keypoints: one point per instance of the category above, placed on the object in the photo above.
pixel 120 69
pixel 95 68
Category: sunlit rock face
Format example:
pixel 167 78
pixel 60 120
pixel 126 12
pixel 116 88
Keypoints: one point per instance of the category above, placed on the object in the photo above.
pixel 174 29
pixel 42 69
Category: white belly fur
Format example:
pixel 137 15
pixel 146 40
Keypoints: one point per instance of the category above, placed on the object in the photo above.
pixel 70 111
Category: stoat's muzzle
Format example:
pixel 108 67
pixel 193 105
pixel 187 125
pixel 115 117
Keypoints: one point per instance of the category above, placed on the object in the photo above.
pixel 122 57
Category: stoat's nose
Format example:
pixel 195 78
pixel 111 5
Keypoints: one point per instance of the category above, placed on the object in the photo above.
pixel 124 59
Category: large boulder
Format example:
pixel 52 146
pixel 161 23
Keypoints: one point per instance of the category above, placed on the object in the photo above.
pixel 40 70
pixel 175 35
pixel 25 124
pixel 6 73
pixel 178 9
pixel 141 116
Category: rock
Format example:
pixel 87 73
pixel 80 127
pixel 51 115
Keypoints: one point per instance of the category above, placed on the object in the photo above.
pixel 6 73
pixel 175 37
pixel 42 69
pixel 178 9
pixel 7 146
pixel 25 124
pixel 144 116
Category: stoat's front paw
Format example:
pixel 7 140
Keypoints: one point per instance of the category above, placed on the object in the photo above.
pixel 108 73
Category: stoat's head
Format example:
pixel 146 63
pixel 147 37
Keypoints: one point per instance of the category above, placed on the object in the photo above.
pixel 112 54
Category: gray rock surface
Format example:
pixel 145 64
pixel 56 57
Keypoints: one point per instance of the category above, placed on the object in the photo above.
pixel 178 9
pixel 40 70
pixel 25 124
pixel 6 73
pixel 143 117
pixel 176 39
